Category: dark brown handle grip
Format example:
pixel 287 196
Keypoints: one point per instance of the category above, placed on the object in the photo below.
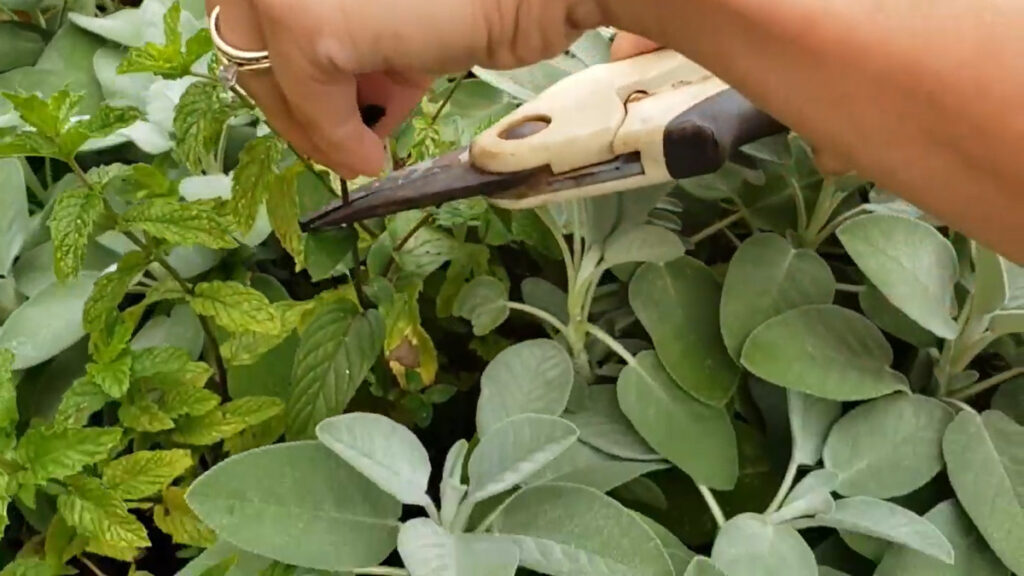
pixel 702 139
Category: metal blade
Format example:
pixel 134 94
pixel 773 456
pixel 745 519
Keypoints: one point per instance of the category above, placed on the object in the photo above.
pixel 432 183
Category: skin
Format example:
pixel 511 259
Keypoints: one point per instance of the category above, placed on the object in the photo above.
pixel 919 96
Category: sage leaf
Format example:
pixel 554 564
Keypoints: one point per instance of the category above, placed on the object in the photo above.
pixel 983 461
pixel 48 323
pixel 702 567
pixel 429 550
pixel 766 278
pixel 810 420
pixel 602 425
pixel 972 556
pixel 825 351
pixel 1008 322
pixel 1009 399
pixel 867 546
pixel 531 377
pixel 336 352
pixel 453 490
pixel 301 517
pixel 749 545
pixel 910 262
pixel 544 295
pixel 816 482
pixel 515 450
pixel 677 302
pixel 15 225
pixel 696 437
pixel 991 286
pixel 885 520
pixel 892 320
pixel 678 554
pixel 888 447
pixel 484 303
pixel 543 522
pixel 384 451
pixel 645 243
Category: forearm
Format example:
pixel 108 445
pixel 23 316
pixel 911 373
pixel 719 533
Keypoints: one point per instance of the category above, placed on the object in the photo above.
pixel 919 95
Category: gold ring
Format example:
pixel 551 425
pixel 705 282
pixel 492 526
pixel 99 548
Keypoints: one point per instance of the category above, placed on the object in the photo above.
pixel 243 59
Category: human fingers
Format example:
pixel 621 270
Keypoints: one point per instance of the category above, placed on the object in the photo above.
pixel 627 45
pixel 395 92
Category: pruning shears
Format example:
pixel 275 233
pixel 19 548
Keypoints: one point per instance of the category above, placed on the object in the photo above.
pixel 630 124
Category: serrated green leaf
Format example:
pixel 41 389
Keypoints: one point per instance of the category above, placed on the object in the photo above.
pixel 183 400
pixel 28 144
pixel 31 567
pixel 95 512
pixel 826 351
pixel 174 517
pixel 199 120
pixel 168 60
pixel 144 415
pixel 110 290
pixel 253 178
pixel 184 223
pixel 236 308
pixel 104 122
pixel 81 401
pixel 677 303
pixel 283 210
pixel 50 117
pixel 331 252
pixel 142 474
pixel 337 350
pixel 8 393
pixel 226 421
pixel 113 377
pixel 75 214
pixel 158 360
pixel 49 453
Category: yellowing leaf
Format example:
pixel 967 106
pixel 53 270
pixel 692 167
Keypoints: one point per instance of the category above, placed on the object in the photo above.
pixel 236 308
pixel 183 400
pixel 81 401
pixel 75 214
pixel 199 119
pixel 226 421
pixel 95 512
pixel 184 223
pixel 158 360
pixel 114 377
pixel 251 182
pixel 55 454
pixel 176 519
pixel 143 474
pixel 110 289
pixel 144 415
pixel 283 209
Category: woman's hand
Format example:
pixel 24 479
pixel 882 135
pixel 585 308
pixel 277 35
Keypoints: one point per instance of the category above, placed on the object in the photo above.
pixel 330 57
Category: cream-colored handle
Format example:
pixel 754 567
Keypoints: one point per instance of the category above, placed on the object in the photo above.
pixel 586 112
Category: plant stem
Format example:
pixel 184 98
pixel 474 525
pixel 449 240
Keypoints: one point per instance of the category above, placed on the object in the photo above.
pixel 787 485
pixel 720 225
pixel 570 266
pixel 716 510
pixel 541 314
pixel 610 341
pixel 382 571
pixel 852 288
pixel 95 569
pixel 448 98
pixel 984 385
pixel 423 221
pixel 835 224
pixel 801 208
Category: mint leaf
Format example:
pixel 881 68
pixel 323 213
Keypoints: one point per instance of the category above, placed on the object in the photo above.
pixel 75 214
pixel 227 421
pixel 53 454
pixel 144 474
pixel 49 117
pixel 183 223
pixel 253 178
pixel 81 401
pixel 108 292
pixel 8 393
pixel 168 60
pixel 113 377
pixel 199 119
pixel 143 415
pixel 283 210
pixel 236 308
pixel 176 519
pixel 94 511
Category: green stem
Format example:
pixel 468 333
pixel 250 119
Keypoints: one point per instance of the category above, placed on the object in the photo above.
pixel 827 202
pixel 716 510
pixel 381 571
pixel 852 288
pixel 801 208
pixel 95 569
pixel 570 266
pixel 978 388
pixel 540 314
pixel 835 224
pixel 423 221
pixel 787 485
pixel 610 341
pixel 720 225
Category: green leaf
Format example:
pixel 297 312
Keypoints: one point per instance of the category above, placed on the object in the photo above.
pixel 893 320
pixel 283 209
pixel 544 295
pixel 515 450
pixel 544 523
pixel 384 451
pixel 426 250
pixel 144 415
pixel 101 124
pixel 826 351
pixel 911 263
pixel 110 290
pixel 991 286
pixel 174 517
pixel 888 447
pixel 531 377
pixel 677 302
pixel 766 278
pixel 680 556
pixel 236 308
pixel 252 179
pixel 31 567
pixel 20 44
pixel 184 223
pixel 702 567
pixel 749 545
pixel 112 377
pixel 168 60
pixel 1005 323
pixel 301 517
pixel 810 420
pixel 226 421
pixel 484 302
pixel 429 550
pixel 15 224
pixel 50 117
pixel 200 118
pixel 222 568
pixel 337 350
pixel 8 393
pixel 49 323
pixel 972 557
pixel 49 453
pixel 603 426
pixel 81 401
pixel 644 243
pixel 75 214
pixel 143 474
pixel 694 436
pixel 331 252
pixel 1009 399
pixel 983 461
pixel 885 520
pixel 97 513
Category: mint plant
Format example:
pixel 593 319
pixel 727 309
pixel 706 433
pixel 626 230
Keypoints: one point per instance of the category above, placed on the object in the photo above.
pixel 760 371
